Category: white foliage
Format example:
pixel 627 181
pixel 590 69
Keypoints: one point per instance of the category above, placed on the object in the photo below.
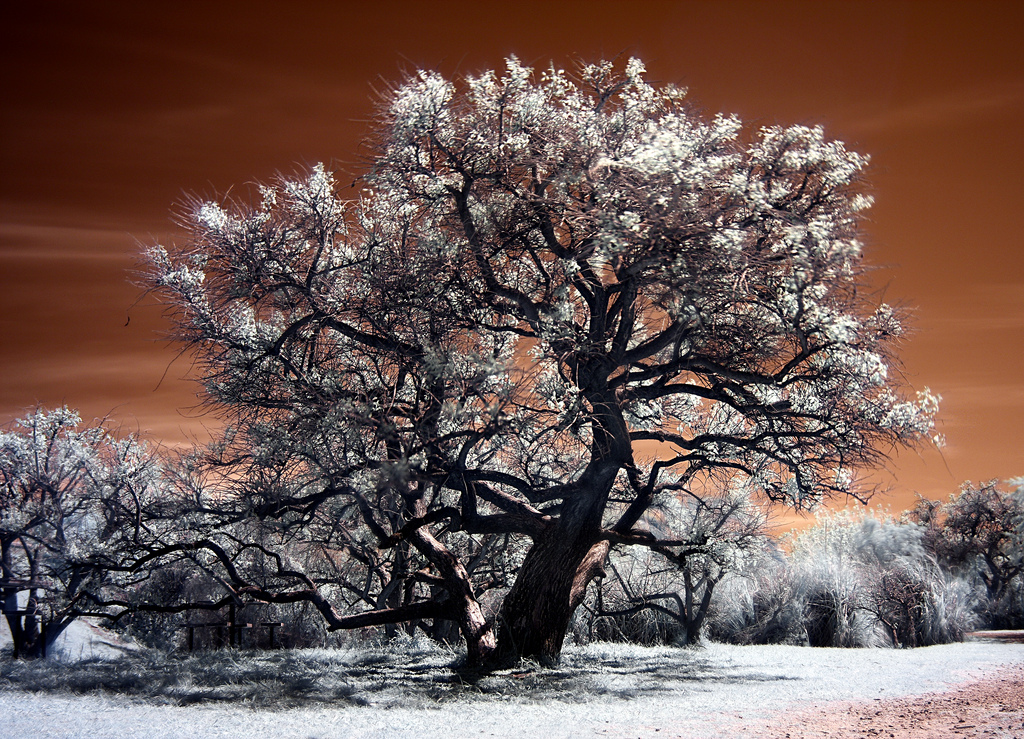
pixel 64 488
pixel 544 270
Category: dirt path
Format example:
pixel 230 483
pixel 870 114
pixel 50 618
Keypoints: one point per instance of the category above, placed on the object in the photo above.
pixel 992 707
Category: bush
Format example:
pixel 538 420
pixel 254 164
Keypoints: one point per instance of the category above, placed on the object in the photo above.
pixel 869 581
pixel 764 607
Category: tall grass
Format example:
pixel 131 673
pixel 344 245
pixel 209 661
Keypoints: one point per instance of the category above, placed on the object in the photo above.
pixel 406 672
pixel 850 581
pixel 764 606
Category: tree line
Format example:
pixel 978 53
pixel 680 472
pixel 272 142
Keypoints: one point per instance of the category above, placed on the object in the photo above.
pixel 96 525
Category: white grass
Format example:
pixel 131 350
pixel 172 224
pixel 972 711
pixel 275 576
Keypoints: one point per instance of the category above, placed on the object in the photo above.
pixel 601 689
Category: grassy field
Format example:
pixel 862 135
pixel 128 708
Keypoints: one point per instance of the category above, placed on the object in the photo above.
pixel 416 689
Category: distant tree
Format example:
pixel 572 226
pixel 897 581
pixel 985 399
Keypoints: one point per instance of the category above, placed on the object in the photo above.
pixel 70 503
pixel 980 531
pixel 543 272
pixel 675 586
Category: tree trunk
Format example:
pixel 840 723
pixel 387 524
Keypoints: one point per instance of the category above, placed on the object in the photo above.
pixel 395 598
pixel 463 605
pixel 535 615
pixel 695 618
pixel 551 584
pixel 33 638
pixel 17 635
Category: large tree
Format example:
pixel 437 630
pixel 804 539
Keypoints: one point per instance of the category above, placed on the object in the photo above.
pixel 559 299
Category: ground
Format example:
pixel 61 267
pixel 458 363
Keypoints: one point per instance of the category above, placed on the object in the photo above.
pixel 991 707
pixel 974 689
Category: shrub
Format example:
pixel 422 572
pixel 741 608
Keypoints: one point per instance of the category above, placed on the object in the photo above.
pixel 870 581
pixel 763 607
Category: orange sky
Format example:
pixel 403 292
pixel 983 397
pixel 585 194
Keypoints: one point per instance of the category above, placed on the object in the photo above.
pixel 113 111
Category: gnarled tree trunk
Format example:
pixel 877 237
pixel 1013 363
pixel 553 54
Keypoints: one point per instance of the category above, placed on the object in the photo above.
pixel 536 613
pixel 537 610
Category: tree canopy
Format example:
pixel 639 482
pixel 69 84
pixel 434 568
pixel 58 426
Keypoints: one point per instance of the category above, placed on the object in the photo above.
pixel 558 301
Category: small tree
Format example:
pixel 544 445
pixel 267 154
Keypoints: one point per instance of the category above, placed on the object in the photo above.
pixel 726 530
pixel 543 272
pixel 980 533
pixel 70 499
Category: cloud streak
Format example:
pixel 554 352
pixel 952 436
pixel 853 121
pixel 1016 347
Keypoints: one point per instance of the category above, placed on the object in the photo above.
pixel 947 109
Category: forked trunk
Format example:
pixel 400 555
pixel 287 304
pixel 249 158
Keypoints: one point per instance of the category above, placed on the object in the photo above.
pixel 32 639
pixel 463 605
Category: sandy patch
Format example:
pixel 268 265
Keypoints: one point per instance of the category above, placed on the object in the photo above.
pixel 990 707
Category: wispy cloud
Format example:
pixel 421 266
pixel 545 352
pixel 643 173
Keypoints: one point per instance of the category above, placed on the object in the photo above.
pixel 952 107
pixel 31 241
pixel 989 307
